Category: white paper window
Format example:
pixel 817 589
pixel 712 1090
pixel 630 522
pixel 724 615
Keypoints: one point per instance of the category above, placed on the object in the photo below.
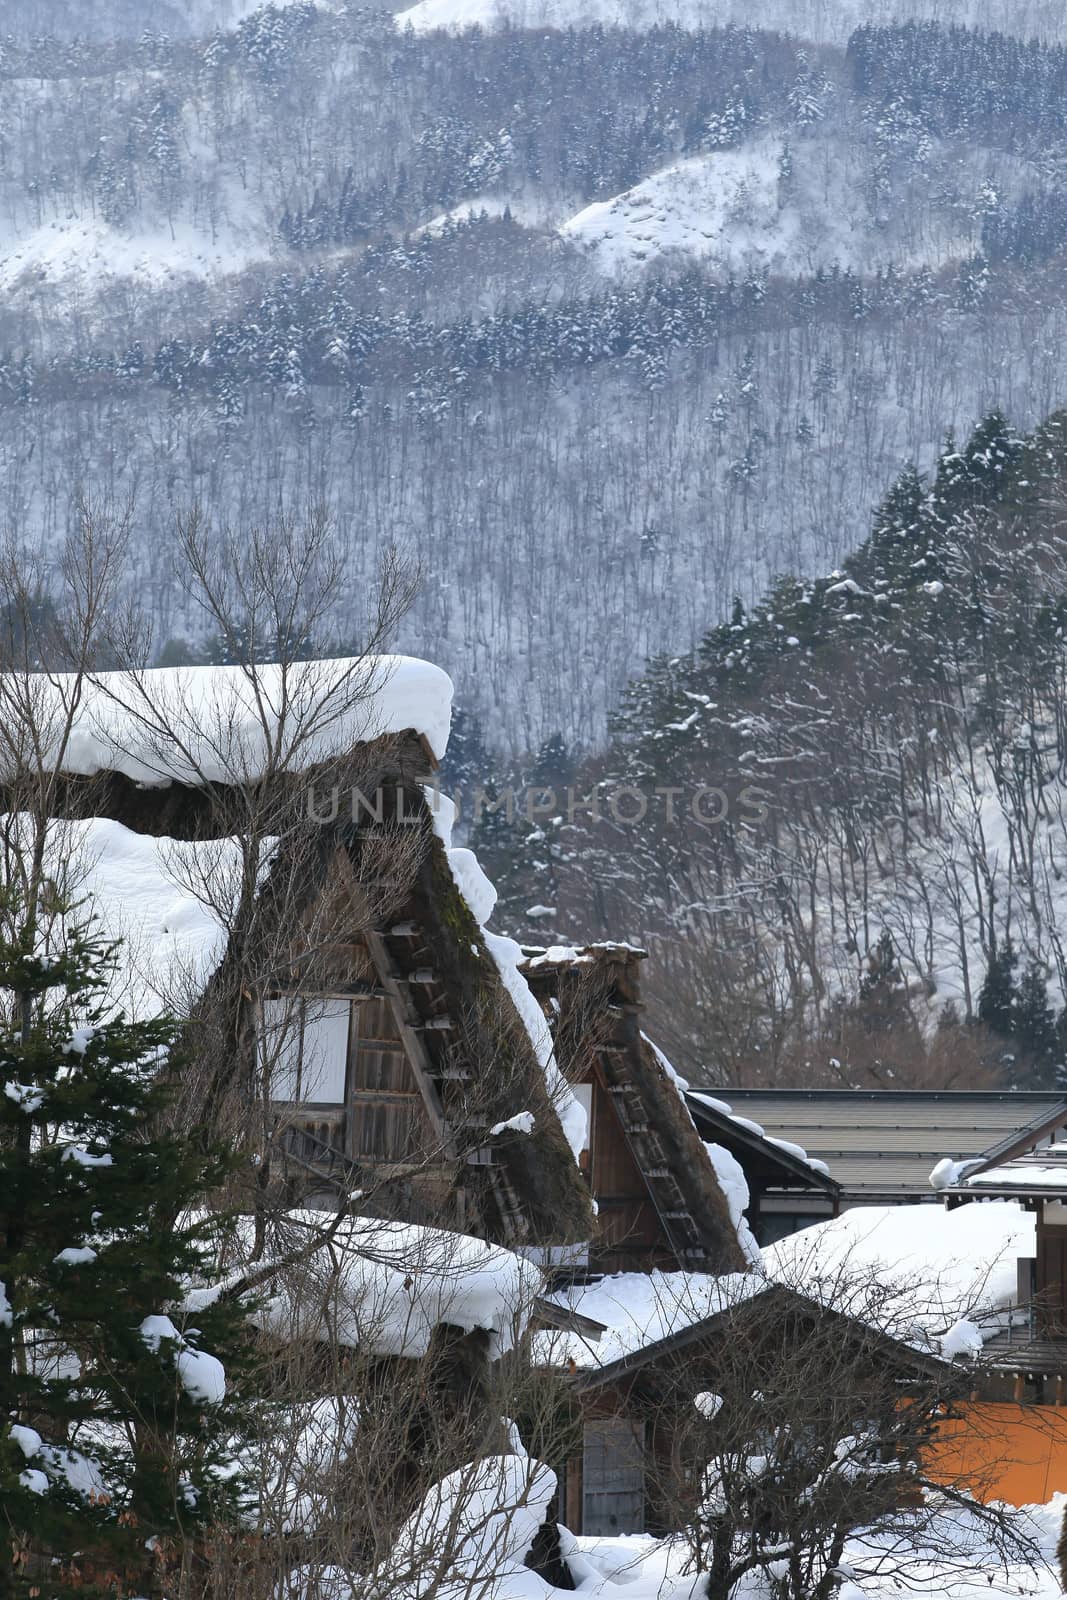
pixel 304 1045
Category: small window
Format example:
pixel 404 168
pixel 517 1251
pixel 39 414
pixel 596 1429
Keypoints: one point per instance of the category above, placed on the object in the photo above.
pixel 304 1044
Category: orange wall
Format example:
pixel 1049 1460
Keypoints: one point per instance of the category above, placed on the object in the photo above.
pixel 1004 1452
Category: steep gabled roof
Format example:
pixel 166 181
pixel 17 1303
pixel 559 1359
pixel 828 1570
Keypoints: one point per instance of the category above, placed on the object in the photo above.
pixel 462 1010
pixel 592 997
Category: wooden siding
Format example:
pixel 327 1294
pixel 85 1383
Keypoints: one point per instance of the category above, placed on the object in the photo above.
pixel 1051 1280
pixel 613 1477
pixel 387 1118
pixel 380 1119
pixel 629 1234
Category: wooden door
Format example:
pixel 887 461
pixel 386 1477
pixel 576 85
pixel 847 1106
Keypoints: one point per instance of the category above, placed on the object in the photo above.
pixel 613 1478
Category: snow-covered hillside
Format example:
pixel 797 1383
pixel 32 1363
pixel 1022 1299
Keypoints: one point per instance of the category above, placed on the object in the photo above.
pixel 251 270
pixel 88 253
pixel 786 208
pixel 829 21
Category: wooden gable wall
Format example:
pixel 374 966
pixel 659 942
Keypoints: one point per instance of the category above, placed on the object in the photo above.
pixel 630 1235
pixel 417 952
pixel 438 1057
pixel 660 1203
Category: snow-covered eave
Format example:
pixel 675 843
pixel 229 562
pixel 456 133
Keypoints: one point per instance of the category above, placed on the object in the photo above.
pixel 1007 1190
pixel 736 1129
pixel 595 1377
pixel 387 1285
pixel 1030 1137
pixel 566 955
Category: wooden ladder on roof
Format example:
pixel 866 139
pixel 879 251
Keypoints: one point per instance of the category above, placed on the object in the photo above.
pixel 438 1082
pixel 664 1190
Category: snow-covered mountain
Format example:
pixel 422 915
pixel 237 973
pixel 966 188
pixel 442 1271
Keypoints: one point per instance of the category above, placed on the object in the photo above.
pixel 605 326
pixel 771 204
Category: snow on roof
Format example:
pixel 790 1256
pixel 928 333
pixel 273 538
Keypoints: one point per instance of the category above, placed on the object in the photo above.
pixel 734 1185
pixel 155 895
pixel 947 1265
pixel 757 1129
pixel 199 725
pixel 390 1284
pixel 943 1270
pixel 558 955
pixel 1039 1169
pixel 638 1309
pixel 508 957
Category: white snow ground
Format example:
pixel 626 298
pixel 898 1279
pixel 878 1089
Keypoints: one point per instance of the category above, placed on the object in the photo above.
pixel 87 249
pixel 638 1567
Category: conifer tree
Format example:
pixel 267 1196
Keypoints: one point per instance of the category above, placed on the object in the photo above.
pixel 996 998
pixel 898 538
pixel 1035 1028
pixel 117 1407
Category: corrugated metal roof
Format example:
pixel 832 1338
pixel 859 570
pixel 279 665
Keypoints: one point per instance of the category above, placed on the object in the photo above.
pixel 883 1143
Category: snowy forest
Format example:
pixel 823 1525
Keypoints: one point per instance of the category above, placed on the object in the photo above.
pixel 840 822
pixel 607 325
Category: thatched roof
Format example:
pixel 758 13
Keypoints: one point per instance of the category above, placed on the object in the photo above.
pixel 593 998
pixel 462 1026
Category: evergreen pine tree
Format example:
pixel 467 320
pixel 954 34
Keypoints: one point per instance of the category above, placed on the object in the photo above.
pixel 116 1417
pixel 898 539
pixel 467 765
pixel 1035 1029
pixel 553 767
pixel 996 998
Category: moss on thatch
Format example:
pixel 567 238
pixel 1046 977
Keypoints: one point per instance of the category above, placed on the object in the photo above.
pixel 689 1161
pixel 319 854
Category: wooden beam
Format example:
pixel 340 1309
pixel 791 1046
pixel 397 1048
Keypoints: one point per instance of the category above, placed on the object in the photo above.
pixel 556 1316
pixel 363 1097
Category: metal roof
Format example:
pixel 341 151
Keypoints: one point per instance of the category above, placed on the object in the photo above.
pixel 883 1144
